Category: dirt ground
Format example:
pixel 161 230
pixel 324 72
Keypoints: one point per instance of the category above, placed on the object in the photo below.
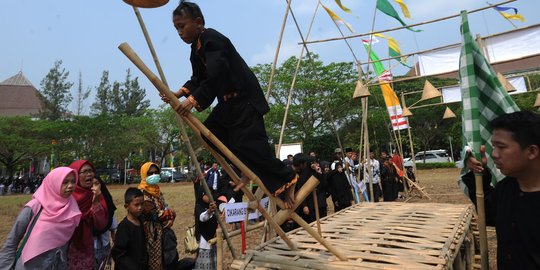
pixel 440 184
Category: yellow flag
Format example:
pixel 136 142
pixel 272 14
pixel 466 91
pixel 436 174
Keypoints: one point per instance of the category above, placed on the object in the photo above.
pixel 338 2
pixel 513 16
pixel 404 8
pixel 337 19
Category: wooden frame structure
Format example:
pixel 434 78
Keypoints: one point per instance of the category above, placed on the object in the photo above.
pixel 380 236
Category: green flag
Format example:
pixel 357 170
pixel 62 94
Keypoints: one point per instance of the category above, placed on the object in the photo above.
pixel 388 9
pixel 483 98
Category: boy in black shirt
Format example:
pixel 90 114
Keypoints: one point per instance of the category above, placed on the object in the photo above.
pixel 512 206
pixel 129 251
pixel 237 120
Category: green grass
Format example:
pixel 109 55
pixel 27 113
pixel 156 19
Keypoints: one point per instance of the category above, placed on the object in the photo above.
pixel 438 165
pixel 179 196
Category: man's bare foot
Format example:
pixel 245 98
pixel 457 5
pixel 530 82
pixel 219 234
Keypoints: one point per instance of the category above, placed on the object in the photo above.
pixel 289 197
pixel 241 184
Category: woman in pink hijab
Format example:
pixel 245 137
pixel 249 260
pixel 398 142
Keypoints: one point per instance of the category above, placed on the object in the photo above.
pixel 44 226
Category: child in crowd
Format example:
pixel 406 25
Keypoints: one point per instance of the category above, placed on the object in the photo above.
pixel 129 251
pixel 40 236
pixel 204 212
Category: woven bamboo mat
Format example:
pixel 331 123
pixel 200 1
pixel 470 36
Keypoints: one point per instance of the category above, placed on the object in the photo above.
pixel 373 236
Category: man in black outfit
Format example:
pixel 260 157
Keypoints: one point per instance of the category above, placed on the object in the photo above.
pixel 237 120
pixel 306 166
pixel 513 205
pixel 339 188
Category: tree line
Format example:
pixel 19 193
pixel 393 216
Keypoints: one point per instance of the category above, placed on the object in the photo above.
pixel 121 125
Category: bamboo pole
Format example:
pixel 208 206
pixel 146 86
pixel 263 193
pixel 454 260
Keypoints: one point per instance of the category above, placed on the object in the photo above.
pixel 368 160
pixel 250 196
pixel 402 27
pixel 276 55
pixel 319 238
pixel 219 246
pixel 194 123
pixel 481 221
pixel 410 136
pixel 184 136
pixel 480 197
pixel 237 232
pixel 310 185
pixel 198 126
pixel 293 84
pixel 324 98
pixel 316 205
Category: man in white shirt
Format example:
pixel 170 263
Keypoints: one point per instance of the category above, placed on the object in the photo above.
pixel 375 170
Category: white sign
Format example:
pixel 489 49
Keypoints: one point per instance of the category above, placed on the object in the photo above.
pixel 362 186
pixel 289 149
pixel 235 212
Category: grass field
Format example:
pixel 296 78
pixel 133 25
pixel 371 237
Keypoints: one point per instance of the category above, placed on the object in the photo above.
pixel 440 184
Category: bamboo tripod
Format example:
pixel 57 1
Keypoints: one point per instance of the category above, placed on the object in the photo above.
pixel 201 130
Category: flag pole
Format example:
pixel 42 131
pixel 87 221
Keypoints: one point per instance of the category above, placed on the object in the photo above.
pixel 276 55
pixel 471 122
pixel 480 208
pixel 480 205
pixel 401 27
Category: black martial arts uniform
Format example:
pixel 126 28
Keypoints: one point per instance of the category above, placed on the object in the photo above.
pixel 237 120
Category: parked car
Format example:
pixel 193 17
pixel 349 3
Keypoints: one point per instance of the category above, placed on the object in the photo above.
pixel 110 175
pixel 429 156
pixel 170 174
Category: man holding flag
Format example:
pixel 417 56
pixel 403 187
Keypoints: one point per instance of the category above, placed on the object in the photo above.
pixel 508 144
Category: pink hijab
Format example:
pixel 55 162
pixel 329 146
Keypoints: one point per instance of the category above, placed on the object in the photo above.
pixel 57 220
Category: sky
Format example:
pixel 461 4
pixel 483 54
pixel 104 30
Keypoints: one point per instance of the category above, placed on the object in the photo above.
pixel 85 34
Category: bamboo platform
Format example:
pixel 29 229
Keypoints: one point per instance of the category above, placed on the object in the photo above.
pixel 378 236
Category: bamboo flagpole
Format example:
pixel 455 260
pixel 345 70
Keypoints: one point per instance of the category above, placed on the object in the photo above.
pixel 293 84
pixel 402 27
pixel 326 107
pixel 184 136
pixel 276 55
pixel 483 98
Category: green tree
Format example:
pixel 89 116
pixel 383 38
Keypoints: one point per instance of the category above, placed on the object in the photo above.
pixel 128 97
pixel 102 104
pixel 55 92
pixel 21 139
pixel 81 96
pixel 321 98
pixel 133 95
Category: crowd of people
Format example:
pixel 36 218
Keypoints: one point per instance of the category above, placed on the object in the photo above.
pixel 69 222
pixel 20 184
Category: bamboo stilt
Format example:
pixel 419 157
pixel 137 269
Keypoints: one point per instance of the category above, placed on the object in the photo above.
pixel 202 130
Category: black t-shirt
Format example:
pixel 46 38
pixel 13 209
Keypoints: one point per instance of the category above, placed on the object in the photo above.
pixel 129 251
pixel 517 222
pixel 516 217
